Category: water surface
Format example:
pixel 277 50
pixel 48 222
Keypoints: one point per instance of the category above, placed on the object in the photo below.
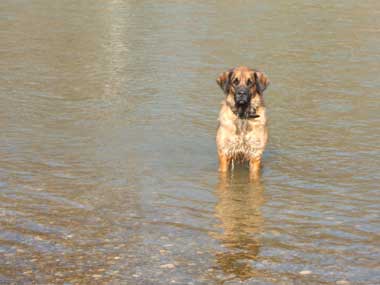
pixel 108 169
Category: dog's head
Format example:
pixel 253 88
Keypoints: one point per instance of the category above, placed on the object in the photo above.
pixel 243 84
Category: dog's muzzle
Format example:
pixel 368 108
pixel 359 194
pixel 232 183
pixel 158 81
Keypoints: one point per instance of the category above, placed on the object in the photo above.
pixel 242 97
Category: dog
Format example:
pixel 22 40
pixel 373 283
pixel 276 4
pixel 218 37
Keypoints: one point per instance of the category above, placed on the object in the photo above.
pixel 242 132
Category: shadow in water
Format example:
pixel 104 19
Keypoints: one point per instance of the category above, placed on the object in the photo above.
pixel 238 210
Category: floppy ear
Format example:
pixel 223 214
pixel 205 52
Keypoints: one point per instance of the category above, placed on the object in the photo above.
pixel 262 81
pixel 224 81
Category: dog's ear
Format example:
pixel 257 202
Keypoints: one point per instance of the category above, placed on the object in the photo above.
pixel 262 81
pixel 224 80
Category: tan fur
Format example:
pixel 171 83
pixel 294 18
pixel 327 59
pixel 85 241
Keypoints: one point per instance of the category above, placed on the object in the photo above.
pixel 241 139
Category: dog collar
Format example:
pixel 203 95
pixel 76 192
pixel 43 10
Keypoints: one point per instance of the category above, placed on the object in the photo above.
pixel 249 115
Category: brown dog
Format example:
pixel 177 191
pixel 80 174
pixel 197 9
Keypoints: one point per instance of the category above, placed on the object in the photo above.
pixel 242 133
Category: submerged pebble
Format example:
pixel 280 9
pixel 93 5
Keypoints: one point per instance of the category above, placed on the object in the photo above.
pixel 97 275
pixel 342 282
pixel 168 266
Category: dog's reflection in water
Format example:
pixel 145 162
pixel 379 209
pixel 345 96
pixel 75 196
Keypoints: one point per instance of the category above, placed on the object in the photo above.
pixel 238 210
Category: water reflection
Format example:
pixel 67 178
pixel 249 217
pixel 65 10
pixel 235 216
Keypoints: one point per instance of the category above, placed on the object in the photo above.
pixel 238 209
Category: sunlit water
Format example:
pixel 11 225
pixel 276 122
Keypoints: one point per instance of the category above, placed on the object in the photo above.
pixel 108 169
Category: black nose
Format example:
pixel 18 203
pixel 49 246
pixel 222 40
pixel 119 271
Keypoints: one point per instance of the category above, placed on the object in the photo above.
pixel 241 97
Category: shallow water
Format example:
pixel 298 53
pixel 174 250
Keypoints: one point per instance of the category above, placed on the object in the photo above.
pixel 108 169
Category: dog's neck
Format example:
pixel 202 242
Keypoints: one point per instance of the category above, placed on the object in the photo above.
pixel 249 113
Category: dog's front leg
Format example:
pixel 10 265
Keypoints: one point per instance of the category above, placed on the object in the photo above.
pixel 224 162
pixel 254 167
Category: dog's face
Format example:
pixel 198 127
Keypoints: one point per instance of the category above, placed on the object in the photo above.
pixel 243 84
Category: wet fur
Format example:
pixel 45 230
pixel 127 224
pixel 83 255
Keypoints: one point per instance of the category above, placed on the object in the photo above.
pixel 241 139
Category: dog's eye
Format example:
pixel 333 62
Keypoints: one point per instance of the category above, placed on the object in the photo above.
pixel 249 82
pixel 236 81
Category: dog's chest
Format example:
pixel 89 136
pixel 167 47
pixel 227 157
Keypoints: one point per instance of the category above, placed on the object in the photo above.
pixel 246 140
pixel 243 127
